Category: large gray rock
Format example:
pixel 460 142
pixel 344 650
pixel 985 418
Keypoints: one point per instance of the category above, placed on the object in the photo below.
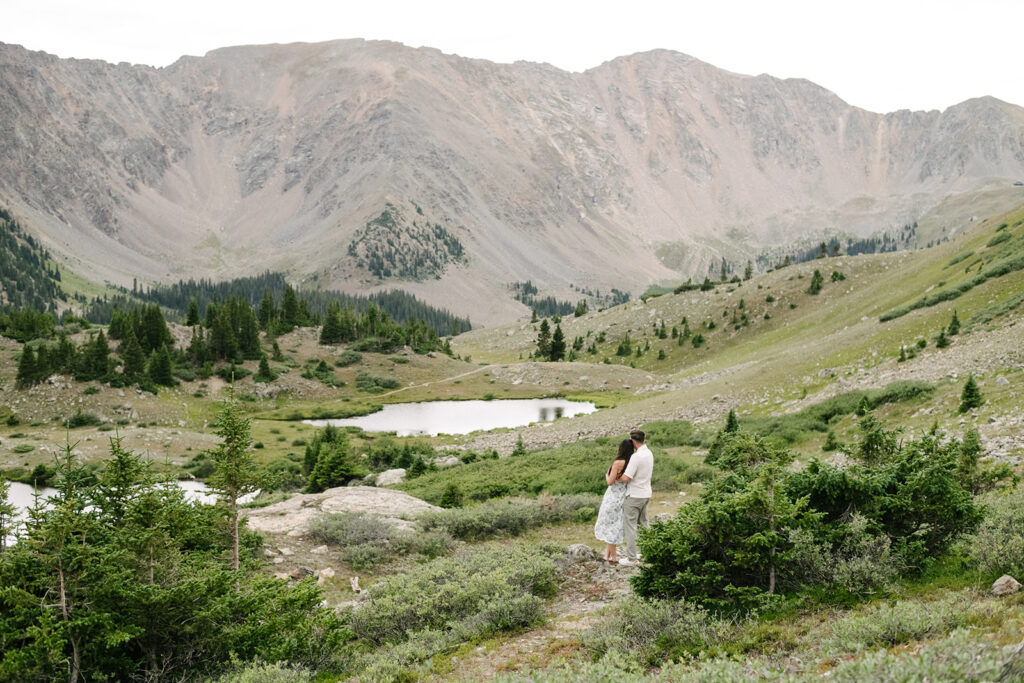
pixel 292 516
pixel 1005 585
pixel 447 461
pixel 391 477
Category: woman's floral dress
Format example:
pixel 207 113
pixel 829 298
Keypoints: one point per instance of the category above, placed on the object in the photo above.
pixel 609 518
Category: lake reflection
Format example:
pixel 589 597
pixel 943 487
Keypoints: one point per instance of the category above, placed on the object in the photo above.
pixel 461 417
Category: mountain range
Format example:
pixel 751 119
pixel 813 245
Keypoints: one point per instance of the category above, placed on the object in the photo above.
pixel 362 166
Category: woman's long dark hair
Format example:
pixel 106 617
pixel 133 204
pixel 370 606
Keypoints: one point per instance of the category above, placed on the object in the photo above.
pixel 625 453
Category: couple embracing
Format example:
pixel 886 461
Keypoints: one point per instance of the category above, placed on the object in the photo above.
pixel 624 506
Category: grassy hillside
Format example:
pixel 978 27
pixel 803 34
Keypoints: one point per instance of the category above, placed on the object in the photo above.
pixel 793 364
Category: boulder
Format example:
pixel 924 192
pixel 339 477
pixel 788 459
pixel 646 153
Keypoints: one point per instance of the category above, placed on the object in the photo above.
pixel 1005 585
pixel 580 552
pixel 292 516
pixel 1002 381
pixel 447 461
pixel 324 574
pixel 319 550
pixel 390 477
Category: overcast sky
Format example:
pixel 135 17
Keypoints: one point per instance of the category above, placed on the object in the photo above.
pixel 880 55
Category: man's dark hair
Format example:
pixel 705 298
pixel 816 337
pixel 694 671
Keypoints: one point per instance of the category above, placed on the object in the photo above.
pixel 637 436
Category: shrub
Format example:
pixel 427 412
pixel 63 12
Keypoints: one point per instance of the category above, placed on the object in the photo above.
pixel 959 657
pixel 81 419
pixel 346 358
pixel 471 595
pixel 997 547
pixel 507 517
pixel 860 564
pixel 654 630
pixel 371 383
pixel 91 390
pixel 261 672
pixel 23 448
pixel 887 625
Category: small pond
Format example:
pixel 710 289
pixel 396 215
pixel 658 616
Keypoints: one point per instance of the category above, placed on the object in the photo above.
pixel 461 417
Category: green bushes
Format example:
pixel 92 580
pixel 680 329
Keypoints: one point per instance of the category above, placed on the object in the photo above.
pixel 509 517
pixel 81 419
pixel 367 540
pixel 759 528
pixel 794 427
pixel 653 631
pixel 373 384
pixel 997 546
pixel 411 617
pixel 346 358
pixel 146 591
pixel 886 625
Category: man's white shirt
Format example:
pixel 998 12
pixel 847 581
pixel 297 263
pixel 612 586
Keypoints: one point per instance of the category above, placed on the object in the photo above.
pixel 639 470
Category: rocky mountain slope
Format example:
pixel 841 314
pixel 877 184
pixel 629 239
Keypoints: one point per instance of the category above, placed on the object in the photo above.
pixel 649 167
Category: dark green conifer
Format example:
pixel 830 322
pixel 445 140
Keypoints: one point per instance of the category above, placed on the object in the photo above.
pixel 970 397
pixel 193 313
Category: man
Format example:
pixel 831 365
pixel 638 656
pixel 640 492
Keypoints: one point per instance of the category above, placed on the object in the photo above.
pixel 637 475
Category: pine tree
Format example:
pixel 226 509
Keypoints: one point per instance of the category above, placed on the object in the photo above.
pixel 332 332
pixel 236 473
pixel 954 325
pixel 557 351
pixel 942 341
pixel 264 374
pixel 289 309
pixel 7 510
pixel 732 423
pixel 581 309
pixel 748 272
pixel 863 406
pixel 276 352
pixel 193 313
pixel 970 397
pixel 161 370
pixel 453 496
pixel 830 442
pixel 903 355
pixel 335 466
pixel 133 360
pixel 520 449
pixel 267 312
pixel 26 376
pixel 544 340
pixel 817 280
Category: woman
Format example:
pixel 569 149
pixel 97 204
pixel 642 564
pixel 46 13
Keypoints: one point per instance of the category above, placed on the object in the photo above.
pixel 609 518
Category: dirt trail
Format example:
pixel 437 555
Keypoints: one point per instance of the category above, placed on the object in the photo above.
pixel 588 588
pixel 435 381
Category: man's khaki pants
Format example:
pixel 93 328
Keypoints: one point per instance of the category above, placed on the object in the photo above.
pixel 634 513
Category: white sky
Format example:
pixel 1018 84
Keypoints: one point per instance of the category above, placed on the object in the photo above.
pixel 882 55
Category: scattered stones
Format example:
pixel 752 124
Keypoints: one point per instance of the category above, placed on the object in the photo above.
pixel 1005 585
pixel 278 560
pixel 320 550
pixel 287 551
pixel 354 583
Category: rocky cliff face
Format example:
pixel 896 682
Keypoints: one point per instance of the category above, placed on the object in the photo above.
pixel 647 167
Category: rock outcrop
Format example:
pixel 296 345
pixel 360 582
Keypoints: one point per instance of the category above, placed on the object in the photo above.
pixel 292 516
